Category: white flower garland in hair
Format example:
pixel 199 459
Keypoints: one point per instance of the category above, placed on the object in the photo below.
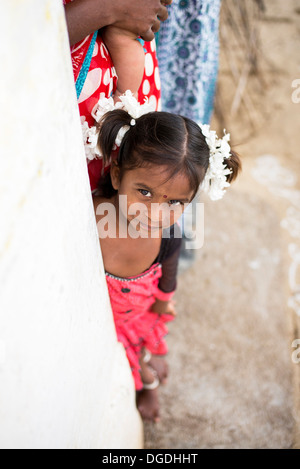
pixel 90 139
pixel 128 103
pixel 215 180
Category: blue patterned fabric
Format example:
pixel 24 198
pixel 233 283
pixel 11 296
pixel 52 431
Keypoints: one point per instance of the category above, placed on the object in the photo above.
pixel 85 66
pixel 188 56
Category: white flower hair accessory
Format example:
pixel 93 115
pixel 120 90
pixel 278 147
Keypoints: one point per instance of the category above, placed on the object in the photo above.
pixel 215 180
pixel 90 140
pixel 128 103
pixel 123 130
pixel 133 107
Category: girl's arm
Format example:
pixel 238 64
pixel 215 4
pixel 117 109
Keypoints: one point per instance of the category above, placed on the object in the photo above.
pixel 128 58
pixel 142 18
pixel 168 281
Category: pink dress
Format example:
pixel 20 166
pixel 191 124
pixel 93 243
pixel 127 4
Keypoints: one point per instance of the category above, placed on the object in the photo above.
pixel 131 300
pixel 137 327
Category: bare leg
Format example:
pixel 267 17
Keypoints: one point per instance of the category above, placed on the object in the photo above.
pixel 159 364
pixel 147 399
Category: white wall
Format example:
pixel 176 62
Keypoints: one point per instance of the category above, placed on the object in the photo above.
pixel 64 379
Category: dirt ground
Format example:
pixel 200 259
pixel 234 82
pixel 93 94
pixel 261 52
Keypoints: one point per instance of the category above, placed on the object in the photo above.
pixel 234 361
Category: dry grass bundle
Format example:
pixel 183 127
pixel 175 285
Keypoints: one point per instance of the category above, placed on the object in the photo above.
pixel 241 81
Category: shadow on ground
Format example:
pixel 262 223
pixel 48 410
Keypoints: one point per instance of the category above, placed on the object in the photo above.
pixel 230 382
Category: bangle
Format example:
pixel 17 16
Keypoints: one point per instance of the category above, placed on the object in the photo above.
pixel 153 385
pixel 147 356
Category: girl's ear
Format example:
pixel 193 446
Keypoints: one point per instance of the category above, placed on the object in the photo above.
pixel 115 175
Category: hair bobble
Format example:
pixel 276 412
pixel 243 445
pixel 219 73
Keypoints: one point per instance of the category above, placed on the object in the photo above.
pixel 121 134
pixel 123 130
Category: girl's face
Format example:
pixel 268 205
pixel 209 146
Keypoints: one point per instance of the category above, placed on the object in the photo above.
pixel 152 200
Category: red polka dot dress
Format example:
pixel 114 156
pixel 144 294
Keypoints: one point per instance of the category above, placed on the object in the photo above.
pixel 95 77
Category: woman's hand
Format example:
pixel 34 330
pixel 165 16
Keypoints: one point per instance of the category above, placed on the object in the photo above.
pixel 140 17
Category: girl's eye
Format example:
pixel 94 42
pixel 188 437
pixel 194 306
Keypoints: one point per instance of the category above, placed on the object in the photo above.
pixel 145 192
pixel 175 202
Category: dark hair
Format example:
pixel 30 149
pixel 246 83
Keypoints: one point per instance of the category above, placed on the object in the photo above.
pixel 157 138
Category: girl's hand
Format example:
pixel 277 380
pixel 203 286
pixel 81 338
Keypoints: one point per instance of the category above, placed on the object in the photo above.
pixel 164 307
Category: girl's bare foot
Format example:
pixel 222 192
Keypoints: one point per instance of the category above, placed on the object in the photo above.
pixel 147 403
pixel 147 398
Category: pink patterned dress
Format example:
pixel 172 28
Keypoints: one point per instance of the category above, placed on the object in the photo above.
pixel 136 325
pixel 131 299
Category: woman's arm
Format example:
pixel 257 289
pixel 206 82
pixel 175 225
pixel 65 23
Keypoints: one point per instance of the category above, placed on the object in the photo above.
pixel 140 17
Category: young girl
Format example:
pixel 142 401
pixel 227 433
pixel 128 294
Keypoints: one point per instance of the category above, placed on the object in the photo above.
pixel 162 160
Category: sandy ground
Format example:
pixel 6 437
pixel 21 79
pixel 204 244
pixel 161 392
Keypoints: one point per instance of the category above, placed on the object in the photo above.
pixel 234 380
